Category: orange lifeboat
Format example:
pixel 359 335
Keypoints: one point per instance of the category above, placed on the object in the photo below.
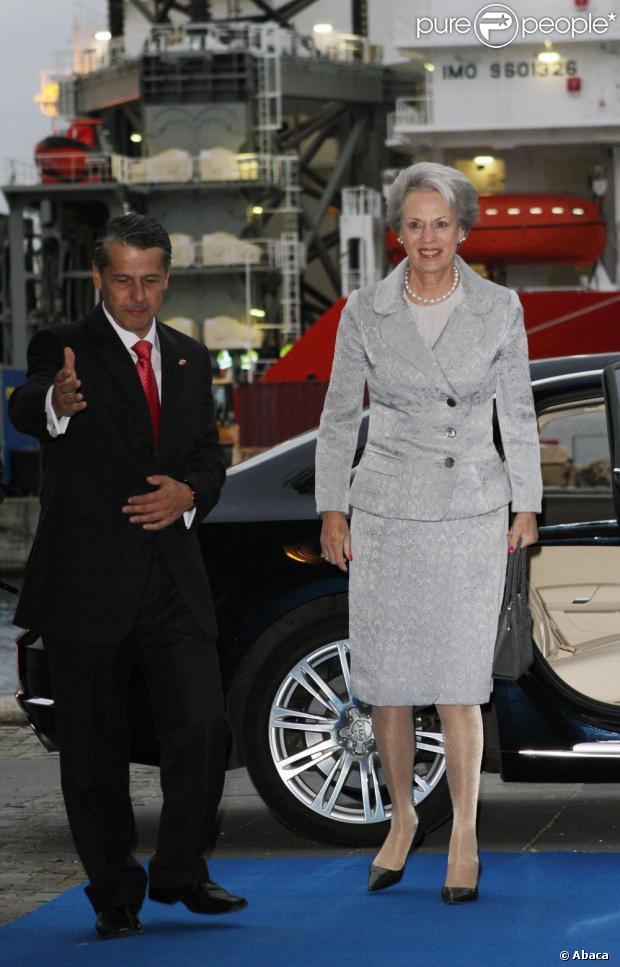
pixel 527 228
pixel 73 156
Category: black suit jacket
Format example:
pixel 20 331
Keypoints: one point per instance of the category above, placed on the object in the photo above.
pixel 87 567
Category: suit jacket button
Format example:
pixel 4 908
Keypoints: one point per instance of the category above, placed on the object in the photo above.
pixel 449 461
pixel 451 431
pixel 450 401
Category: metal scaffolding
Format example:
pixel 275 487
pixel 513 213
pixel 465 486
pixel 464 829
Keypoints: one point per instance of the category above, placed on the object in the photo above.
pixel 277 102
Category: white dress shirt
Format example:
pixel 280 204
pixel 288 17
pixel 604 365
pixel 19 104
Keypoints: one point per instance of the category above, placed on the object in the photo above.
pixel 56 426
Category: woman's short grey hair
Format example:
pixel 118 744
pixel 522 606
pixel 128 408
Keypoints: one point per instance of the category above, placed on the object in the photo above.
pixel 451 184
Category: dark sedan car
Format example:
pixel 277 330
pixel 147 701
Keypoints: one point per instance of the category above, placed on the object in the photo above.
pixel 304 737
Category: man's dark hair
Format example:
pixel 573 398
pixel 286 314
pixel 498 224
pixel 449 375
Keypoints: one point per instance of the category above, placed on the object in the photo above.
pixel 139 231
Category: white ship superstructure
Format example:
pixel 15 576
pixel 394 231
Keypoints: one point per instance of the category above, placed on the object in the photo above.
pixel 527 100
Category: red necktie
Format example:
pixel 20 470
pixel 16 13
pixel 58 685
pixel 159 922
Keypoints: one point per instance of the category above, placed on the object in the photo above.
pixel 143 349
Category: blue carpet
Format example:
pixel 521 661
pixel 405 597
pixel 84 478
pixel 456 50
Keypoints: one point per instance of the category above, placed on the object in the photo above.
pixel 314 911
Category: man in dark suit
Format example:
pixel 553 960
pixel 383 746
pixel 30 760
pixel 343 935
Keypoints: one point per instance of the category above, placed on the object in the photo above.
pixel 122 406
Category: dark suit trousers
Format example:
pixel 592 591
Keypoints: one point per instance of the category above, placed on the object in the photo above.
pixel 181 669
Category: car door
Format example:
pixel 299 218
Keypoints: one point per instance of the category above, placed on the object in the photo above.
pixel 575 570
pixel 611 389
pixel 569 705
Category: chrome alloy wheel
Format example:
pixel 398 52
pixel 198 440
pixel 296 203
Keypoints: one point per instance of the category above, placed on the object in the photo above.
pixel 323 748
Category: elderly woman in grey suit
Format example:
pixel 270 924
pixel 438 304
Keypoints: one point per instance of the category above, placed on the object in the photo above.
pixel 426 552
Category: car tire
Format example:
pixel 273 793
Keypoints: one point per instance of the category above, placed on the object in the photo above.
pixel 302 649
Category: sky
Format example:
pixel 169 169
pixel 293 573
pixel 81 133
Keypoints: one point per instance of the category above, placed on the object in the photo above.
pixel 33 35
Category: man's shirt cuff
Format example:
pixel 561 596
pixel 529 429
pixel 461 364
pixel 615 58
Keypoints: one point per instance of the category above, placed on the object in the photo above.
pixel 56 426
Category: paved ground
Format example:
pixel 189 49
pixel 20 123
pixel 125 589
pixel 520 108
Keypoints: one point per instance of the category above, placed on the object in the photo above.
pixel 37 860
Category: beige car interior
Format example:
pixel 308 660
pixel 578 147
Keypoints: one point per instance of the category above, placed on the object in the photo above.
pixel 577 626
pixel 575 590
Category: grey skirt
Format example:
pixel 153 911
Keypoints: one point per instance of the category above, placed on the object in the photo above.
pixel 424 600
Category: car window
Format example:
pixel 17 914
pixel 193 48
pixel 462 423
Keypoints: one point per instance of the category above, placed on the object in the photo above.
pixel 574 459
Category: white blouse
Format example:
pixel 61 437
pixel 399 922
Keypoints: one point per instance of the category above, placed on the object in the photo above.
pixel 431 319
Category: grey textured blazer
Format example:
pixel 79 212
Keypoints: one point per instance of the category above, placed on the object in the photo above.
pixel 430 453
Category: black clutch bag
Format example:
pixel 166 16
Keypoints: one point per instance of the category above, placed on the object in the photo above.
pixel 514 650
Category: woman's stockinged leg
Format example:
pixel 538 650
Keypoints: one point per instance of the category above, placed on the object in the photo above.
pixel 463 740
pixel 394 735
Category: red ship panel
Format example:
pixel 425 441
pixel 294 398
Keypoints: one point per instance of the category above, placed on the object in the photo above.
pixel 558 323
pixel 567 323
pixel 310 358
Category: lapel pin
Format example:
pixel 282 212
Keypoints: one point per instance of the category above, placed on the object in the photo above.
pixel 182 362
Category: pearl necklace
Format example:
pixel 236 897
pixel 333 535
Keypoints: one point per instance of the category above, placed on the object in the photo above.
pixel 427 301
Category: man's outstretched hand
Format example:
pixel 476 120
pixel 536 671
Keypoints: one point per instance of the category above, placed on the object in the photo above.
pixel 161 507
pixel 66 400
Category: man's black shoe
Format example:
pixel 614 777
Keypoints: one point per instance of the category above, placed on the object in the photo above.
pixel 205 897
pixel 118 922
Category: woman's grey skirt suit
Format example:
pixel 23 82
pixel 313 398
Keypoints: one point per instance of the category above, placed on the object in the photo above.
pixel 430 495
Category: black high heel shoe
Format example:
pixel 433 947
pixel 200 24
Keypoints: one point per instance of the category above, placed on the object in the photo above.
pixel 380 878
pixel 461 894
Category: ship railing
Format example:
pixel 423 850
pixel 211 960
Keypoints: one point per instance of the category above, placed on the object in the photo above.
pixel 258 39
pixel 167 168
pixel 58 168
pixel 179 167
pixel 350 49
pixel 218 250
pixel 15 172
pixel 216 38
pixel 108 54
pixel 361 201
pixel 411 112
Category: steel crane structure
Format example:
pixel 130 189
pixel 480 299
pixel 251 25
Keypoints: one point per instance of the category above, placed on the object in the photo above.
pixel 181 87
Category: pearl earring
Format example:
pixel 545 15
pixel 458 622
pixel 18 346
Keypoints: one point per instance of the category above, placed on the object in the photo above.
pixel 399 239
